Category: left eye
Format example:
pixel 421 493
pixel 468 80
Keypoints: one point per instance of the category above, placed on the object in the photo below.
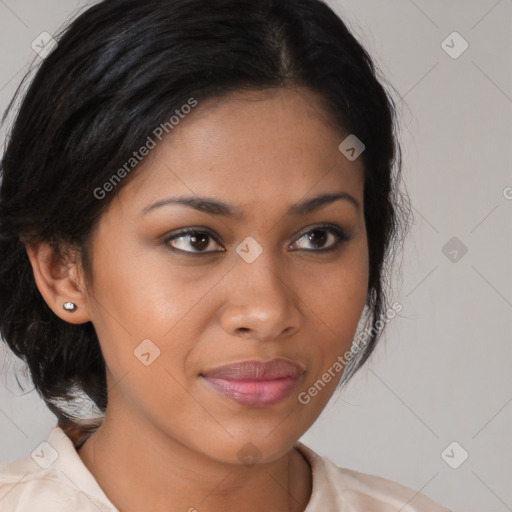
pixel 321 237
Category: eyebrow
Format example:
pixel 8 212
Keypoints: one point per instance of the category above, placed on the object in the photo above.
pixel 216 207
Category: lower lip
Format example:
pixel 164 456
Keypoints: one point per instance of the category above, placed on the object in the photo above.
pixel 255 393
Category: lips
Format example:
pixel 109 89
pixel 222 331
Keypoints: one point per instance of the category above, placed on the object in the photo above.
pixel 255 383
pixel 257 370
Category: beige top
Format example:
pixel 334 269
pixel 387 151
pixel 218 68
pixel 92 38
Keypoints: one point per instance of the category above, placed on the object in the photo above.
pixel 54 479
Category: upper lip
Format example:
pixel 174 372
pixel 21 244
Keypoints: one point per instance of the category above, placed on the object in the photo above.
pixel 257 370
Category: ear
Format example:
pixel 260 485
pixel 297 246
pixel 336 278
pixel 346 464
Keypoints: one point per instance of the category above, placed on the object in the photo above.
pixel 59 281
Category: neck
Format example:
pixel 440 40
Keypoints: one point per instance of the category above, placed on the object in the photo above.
pixel 140 468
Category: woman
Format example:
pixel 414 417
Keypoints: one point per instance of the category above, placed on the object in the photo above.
pixel 198 207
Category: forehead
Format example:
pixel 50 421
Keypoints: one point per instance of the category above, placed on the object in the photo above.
pixel 249 148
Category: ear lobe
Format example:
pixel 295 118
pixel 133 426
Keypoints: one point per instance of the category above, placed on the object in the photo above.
pixel 58 281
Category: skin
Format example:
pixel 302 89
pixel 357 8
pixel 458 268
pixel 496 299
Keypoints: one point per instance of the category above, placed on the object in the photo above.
pixel 170 442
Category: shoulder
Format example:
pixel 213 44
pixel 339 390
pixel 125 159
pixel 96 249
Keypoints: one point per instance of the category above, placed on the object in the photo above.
pixel 346 489
pixel 26 487
pixel 45 480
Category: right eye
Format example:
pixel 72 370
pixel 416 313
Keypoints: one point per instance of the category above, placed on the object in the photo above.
pixel 199 240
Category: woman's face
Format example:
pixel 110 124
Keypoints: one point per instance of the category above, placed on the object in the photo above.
pixel 170 308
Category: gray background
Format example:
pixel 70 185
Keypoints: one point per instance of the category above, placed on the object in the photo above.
pixel 443 371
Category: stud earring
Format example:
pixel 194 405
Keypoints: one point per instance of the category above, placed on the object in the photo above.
pixel 69 306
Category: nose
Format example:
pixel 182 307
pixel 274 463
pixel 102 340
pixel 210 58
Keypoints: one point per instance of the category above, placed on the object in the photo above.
pixel 262 301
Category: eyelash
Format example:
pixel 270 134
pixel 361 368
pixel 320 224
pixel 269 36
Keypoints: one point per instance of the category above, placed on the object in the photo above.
pixel 339 233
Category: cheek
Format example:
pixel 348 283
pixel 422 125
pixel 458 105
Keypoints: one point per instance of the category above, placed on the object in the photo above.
pixel 335 306
pixel 147 316
pixel 134 293
pixel 335 301
pixel 337 295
